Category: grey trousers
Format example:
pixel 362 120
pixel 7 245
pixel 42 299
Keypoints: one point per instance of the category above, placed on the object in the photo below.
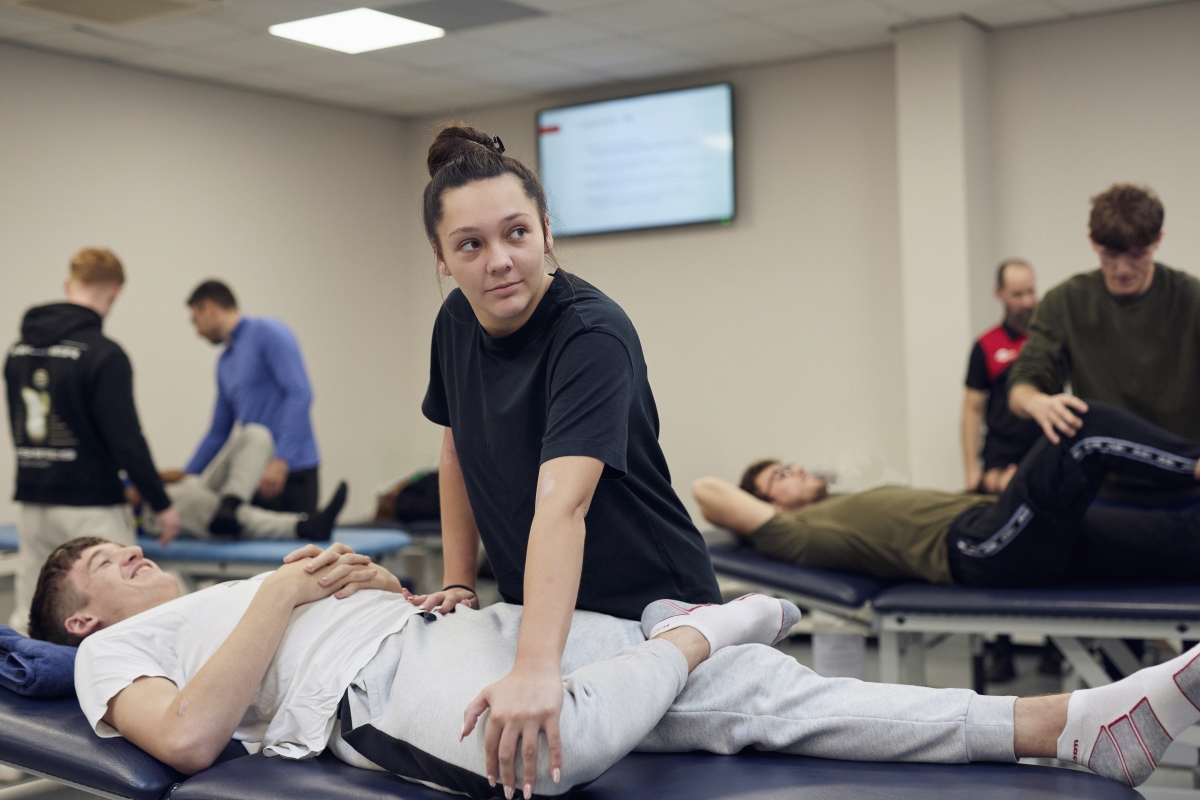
pixel 41 529
pixel 236 471
pixel 404 711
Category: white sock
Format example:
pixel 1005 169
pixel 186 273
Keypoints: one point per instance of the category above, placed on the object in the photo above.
pixel 1121 730
pixel 751 619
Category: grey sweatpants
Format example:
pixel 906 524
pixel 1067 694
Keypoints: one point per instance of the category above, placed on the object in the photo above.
pixel 236 471
pixel 404 711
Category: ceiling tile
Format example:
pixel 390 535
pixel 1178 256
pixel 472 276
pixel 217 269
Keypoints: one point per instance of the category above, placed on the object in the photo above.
pixel 18 26
pixel 934 9
pixel 652 15
pixel 268 80
pixel 781 48
pixel 541 35
pixel 603 56
pixel 255 16
pixel 535 75
pixel 1098 6
pixel 439 53
pixel 701 39
pixel 457 15
pixel 847 14
pixel 855 37
pixel 572 6
pixel 745 7
pixel 667 63
pixel 342 68
pixel 178 33
pixel 262 50
pixel 77 42
pixel 185 64
pixel 999 15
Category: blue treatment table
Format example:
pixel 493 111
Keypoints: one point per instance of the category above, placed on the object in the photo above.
pixel 8 550
pixel 51 738
pixel 1110 613
pixel 841 593
pixel 834 602
pixel 195 560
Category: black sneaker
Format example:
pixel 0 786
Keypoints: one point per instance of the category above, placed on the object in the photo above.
pixel 318 527
pixel 225 521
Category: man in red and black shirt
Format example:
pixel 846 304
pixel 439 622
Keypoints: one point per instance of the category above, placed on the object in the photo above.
pixel 1008 436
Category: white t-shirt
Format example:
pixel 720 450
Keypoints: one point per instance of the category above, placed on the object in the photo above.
pixel 324 646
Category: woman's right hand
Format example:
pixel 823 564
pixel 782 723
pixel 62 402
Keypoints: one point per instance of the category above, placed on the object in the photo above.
pixel 444 601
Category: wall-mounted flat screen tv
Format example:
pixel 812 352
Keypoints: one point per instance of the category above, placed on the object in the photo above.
pixel 639 162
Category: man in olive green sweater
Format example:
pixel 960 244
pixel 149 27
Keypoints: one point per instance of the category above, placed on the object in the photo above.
pixel 1127 333
pixel 1033 534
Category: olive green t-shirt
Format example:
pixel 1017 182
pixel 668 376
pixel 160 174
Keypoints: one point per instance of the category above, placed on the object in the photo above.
pixel 892 532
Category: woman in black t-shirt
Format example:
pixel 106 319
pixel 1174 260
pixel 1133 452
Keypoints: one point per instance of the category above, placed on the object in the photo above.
pixel 541 386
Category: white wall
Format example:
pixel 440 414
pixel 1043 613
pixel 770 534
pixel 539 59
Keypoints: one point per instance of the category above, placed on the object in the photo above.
pixel 298 206
pixel 780 334
pixel 1080 105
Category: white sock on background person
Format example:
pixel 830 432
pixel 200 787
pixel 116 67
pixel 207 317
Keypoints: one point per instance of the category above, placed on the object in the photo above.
pixel 1121 730
pixel 750 619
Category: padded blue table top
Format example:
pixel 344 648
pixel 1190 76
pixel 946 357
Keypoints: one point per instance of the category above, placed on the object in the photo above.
pixel 683 776
pixel 843 588
pixel 53 737
pixel 1131 601
pixel 368 541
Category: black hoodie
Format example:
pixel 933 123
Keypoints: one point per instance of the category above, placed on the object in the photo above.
pixel 74 425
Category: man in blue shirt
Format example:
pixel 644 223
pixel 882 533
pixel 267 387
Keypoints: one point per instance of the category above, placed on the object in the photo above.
pixel 260 378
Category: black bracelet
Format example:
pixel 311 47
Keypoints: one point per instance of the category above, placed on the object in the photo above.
pixel 458 586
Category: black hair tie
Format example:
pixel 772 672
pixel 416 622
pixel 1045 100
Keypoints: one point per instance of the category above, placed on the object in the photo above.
pixel 458 586
pixel 499 145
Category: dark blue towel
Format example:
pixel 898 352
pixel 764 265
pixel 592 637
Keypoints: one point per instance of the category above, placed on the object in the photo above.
pixel 34 668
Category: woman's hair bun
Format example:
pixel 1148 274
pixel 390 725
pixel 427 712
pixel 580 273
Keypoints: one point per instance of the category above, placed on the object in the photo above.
pixel 452 141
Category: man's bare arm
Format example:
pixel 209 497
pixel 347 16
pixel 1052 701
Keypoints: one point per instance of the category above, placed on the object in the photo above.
pixel 189 728
pixel 726 505
pixel 972 423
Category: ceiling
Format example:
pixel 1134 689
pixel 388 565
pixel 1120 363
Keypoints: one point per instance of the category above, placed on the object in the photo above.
pixel 575 43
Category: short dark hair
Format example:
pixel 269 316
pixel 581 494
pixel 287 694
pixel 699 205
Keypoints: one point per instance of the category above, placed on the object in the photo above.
pixel 751 475
pixel 1126 217
pixel 57 597
pixel 212 291
pixel 1005 264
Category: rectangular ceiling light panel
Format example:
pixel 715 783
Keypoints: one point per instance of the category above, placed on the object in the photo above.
pixel 358 30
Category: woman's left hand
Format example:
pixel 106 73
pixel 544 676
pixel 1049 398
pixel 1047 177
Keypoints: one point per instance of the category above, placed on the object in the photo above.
pixel 523 704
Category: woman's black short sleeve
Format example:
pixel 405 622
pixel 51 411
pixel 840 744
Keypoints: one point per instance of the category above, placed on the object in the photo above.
pixel 571 381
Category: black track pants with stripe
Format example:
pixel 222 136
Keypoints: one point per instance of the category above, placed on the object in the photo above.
pixel 1041 530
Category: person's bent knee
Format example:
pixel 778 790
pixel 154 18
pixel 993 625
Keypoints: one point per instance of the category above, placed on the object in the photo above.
pixel 258 434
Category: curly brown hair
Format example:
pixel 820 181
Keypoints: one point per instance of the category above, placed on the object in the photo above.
pixel 1126 217
pixel 57 597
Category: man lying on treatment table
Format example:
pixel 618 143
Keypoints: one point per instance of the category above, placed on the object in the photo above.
pixel 329 651
pixel 1040 531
